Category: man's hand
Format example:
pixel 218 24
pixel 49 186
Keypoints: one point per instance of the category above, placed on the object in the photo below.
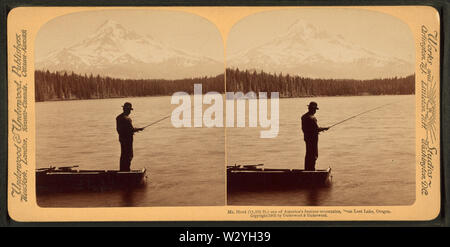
pixel 324 129
pixel 139 129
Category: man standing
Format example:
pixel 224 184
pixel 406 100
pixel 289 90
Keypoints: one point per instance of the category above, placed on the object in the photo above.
pixel 126 131
pixel 311 136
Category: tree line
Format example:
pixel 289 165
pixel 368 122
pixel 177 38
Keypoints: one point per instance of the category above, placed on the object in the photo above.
pixel 297 86
pixel 69 86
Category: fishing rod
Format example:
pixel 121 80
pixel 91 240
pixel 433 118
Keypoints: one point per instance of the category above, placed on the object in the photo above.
pixel 148 125
pixel 373 109
pixel 156 121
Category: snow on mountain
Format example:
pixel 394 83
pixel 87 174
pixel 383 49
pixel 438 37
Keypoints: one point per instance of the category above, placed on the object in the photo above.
pixel 115 51
pixel 310 52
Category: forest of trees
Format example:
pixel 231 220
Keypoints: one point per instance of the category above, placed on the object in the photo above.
pixel 68 86
pixel 296 86
pixel 64 86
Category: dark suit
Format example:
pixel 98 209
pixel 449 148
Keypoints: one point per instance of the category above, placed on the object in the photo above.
pixel 126 131
pixel 311 137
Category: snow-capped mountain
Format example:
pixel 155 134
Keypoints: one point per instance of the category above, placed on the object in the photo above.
pixel 309 52
pixel 114 51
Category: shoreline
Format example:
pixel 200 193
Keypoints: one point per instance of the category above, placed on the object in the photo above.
pixel 299 97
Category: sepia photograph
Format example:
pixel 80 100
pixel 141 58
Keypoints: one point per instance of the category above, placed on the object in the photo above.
pixel 224 113
pixel 103 87
pixel 344 109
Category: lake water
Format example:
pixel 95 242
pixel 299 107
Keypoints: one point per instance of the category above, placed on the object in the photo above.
pixel 372 156
pixel 185 166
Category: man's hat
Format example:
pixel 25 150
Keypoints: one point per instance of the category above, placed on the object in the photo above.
pixel 313 104
pixel 127 105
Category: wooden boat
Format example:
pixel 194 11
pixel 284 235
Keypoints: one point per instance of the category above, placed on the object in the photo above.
pixel 243 177
pixel 54 179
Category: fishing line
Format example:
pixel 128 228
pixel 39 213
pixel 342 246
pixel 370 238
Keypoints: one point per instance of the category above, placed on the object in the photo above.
pixel 345 120
pixel 155 122
pixel 373 109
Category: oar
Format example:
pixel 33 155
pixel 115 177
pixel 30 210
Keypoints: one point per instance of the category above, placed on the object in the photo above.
pixel 373 109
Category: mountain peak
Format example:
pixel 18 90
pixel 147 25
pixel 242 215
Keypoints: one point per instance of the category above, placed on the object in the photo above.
pixel 302 27
pixel 110 24
pixel 310 51
pixel 114 29
pixel 117 51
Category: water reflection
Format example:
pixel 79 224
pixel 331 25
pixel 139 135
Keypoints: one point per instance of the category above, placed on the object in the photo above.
pixel 315 196
pixel 128 198
pixel 309 196
pixel 132 197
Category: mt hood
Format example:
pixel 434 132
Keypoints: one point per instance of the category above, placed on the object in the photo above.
pixel 306 51
pixel 117 52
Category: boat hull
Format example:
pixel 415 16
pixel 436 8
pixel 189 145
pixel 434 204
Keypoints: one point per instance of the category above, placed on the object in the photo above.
pixel 55 180
pixel 242 178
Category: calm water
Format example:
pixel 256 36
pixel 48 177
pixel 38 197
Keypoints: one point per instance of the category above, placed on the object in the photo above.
pixel 185 166
pixel 372 157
